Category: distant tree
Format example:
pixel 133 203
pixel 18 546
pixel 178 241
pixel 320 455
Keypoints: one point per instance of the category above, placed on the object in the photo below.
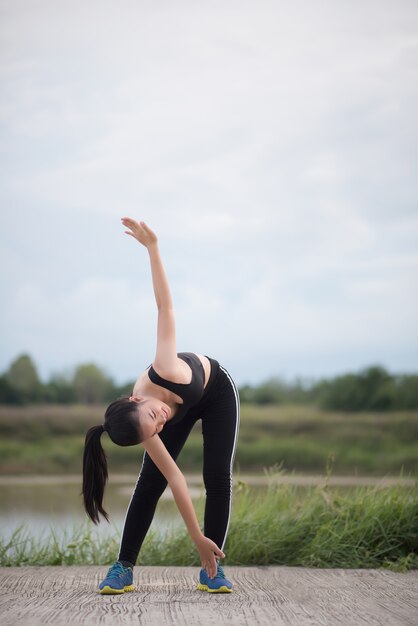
pixel 246 394
pixel 276 391
pixel 23 376
pixel 342 393
pixel 92 385
pixel 124 390
pixel 406 392
pixel 8 393
pixel 371 389
pixel 377 388
pixel 272 391
pixel 59 390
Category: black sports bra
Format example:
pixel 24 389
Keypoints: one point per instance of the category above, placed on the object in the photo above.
pixel 191 392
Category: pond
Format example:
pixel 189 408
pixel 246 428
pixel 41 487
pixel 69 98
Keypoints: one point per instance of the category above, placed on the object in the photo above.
pixel 47 501
pixel 41 506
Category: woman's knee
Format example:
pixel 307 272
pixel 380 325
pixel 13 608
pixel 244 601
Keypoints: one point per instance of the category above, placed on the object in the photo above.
pixel 217 481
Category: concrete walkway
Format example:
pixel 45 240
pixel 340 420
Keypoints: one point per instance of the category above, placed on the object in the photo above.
pixel 270 596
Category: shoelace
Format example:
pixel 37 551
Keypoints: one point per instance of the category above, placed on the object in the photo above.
pixel 220 571
pixel 117 569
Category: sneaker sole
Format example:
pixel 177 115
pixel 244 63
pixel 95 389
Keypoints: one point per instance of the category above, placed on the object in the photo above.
pixel 106 591
pixel 222 589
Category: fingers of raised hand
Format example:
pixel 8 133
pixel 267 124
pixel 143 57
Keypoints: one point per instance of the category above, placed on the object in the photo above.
pixel 130 223
pixel 136 229
pixel 140 231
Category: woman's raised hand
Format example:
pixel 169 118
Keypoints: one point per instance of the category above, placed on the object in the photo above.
pixel 140 231
pixel 208 551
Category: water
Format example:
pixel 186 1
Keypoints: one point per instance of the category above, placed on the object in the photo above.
pixel 59 505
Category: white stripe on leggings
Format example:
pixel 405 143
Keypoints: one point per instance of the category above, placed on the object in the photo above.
pixel 233 451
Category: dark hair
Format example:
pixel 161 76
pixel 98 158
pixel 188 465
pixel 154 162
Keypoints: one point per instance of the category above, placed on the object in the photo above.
pixel 122 425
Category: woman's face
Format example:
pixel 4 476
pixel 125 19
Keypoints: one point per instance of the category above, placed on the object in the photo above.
pixel 152 415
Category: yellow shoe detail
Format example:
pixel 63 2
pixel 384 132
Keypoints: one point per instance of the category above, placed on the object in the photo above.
pixel 222 589
pixel 106 591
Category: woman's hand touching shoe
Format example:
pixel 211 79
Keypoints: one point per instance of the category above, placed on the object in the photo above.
pixel 209 552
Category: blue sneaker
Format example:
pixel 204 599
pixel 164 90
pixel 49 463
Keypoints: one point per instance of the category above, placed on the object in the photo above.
pixel 218 584
pixel 118 580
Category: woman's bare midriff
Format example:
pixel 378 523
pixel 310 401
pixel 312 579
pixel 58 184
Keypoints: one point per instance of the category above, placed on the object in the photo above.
pixel 144 386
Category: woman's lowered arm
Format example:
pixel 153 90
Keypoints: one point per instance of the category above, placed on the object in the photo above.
pixel 206 547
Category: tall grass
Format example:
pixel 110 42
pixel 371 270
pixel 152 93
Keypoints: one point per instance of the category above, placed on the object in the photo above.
pixel 366 527
pixel 324 527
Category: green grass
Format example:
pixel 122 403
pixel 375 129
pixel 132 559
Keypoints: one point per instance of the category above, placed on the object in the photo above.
pixel 50 439
pixel 365 527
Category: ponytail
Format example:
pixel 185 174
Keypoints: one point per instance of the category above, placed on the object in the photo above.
pixel 94 474
pixel 122 425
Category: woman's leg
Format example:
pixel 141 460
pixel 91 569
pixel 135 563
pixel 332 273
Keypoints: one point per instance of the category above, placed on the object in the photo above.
pixel 220 425
pixel 148 489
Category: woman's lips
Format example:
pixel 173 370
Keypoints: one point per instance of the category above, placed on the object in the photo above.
pixel 166 413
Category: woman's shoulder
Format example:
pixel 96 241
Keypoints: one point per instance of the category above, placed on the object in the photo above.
pixel 140 382
pixel 179 373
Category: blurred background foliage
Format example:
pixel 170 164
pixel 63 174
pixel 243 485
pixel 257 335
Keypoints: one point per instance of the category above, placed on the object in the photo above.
pixel 371 389
pixel 367 422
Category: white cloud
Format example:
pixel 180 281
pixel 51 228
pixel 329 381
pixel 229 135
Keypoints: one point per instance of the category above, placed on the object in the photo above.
pixel 272 147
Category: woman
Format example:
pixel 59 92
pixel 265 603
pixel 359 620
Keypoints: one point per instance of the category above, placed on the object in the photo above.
pixel 167 400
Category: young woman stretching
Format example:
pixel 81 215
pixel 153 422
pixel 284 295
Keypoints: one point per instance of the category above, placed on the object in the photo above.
pixel 167 400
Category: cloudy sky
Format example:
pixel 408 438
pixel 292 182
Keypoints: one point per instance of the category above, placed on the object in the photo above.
pixel 271 145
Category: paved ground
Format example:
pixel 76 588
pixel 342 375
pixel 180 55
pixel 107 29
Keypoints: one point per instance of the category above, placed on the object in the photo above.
pixel 268 596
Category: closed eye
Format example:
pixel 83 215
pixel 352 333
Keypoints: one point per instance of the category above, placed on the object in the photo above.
pixel 153 416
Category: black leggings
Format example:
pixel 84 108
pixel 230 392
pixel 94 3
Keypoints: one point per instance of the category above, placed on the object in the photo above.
pixel 219 412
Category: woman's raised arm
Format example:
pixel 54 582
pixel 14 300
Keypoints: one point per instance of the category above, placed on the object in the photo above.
pixel 166 351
